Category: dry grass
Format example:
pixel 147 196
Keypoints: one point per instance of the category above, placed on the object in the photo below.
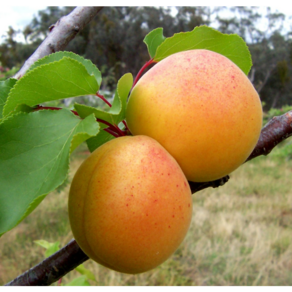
pixel 240 234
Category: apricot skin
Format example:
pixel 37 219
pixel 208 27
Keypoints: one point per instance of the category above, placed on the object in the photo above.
pixel 130 205
pixel 201 108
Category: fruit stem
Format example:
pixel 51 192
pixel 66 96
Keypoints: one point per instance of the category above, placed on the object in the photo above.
pixel 104 99
pixel 125 124
pixel 109 104
pixel 148 63
pixel 112 129
pixel 39 107
pixel 111 132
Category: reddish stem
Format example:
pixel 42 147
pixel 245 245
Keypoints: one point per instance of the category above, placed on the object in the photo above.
pixel 119 131
pixel 110 131
pixel 148 63
pixel 114 128
pixel 39 107
pixel 104 99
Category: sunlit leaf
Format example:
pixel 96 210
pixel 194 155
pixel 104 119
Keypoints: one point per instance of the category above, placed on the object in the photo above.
pixel 56 80
pixel 153 39
pixel 202 37
pixel 5 87
pixel 90 67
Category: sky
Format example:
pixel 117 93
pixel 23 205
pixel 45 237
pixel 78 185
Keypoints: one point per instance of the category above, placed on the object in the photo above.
pixel 19 16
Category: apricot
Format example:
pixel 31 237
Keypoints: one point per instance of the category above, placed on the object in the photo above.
pixel 201 108
pixel 130 205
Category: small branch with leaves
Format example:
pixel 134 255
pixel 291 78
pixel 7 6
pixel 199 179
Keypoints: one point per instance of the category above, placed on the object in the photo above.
pixel 24 115
pixel 69 257
pixel 61 33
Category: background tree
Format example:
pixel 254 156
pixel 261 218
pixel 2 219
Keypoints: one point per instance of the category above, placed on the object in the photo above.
pixel 116 35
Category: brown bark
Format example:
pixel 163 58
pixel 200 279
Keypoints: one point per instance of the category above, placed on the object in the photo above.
pixel 61 34
pixel 52 268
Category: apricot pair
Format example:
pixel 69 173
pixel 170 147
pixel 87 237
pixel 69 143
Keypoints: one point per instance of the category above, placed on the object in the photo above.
pixel 194 116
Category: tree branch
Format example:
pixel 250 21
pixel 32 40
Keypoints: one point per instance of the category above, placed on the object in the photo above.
pixel 52 268
pixel 61 34
pixel 275 131
pixel 70 256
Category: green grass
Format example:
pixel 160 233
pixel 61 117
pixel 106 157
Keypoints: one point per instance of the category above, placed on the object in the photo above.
pixel 241 233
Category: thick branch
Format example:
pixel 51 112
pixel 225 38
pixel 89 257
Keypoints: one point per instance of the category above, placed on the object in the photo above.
pixel 52 268
pixel 275 131
pixel 70 256
pixel 61 34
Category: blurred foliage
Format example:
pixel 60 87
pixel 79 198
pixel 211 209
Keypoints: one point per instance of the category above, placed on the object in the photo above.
pixel 113 40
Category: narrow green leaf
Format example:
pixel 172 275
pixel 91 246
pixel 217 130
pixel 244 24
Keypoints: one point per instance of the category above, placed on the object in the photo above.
pixel 80 281
pixel 153 39
pixel 85 110
pixel 231 46
pixel 51 248
pixel 90 67
pixel 56 80
pixel 43 243
pixel 34 158
pixel 83 271
pixel 5 87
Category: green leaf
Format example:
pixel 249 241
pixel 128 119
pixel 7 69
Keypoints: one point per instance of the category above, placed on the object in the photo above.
pixel 5 87
pixel 101 138
pixel 56 80
pixel 231 46
pixel 114 116
pixel 117 112
pixel 153 39
pixel 83 271
pixel 43 243
pixel 80 281
pixel 34 158
pixel 90 67
pixel 51 248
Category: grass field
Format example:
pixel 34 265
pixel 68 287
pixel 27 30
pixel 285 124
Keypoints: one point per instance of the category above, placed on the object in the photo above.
pixel 241 233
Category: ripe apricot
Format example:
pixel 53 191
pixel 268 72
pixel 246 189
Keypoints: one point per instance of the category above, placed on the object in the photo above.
pixel 130 205
pixel 201 108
